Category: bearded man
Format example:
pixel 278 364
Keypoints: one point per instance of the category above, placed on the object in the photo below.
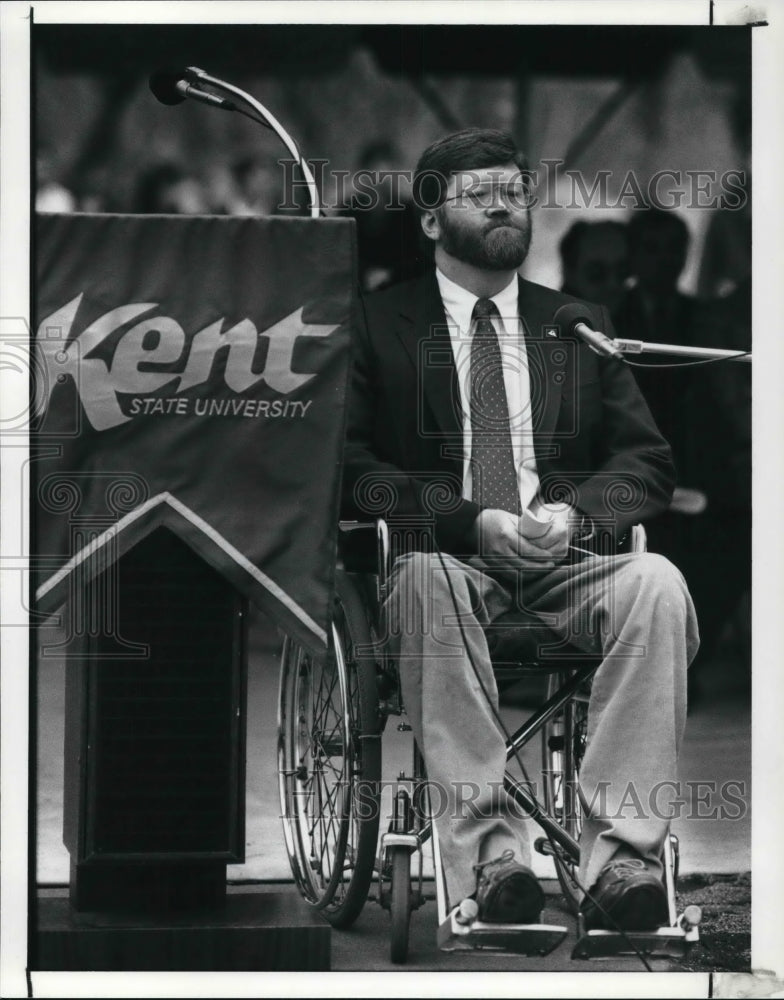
pixel 506 453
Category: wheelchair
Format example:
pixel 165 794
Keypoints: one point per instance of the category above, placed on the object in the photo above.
pixel 332 712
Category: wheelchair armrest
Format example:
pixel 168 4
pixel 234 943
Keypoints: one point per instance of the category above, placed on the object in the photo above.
pixel 382 550
pixel 382 543
pixel 639 538
pixel 634 540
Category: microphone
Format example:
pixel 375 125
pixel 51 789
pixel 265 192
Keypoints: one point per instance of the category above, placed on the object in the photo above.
pixel 173 86
pixel 576 319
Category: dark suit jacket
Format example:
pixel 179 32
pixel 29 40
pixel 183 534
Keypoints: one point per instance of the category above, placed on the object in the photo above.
pixel 595 442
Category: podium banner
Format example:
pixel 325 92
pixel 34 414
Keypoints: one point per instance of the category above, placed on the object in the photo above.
pixel 191 372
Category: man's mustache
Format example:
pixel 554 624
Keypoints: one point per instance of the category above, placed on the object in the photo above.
pixel 492 226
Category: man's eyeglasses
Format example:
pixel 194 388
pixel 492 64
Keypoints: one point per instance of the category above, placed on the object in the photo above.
pixel 515 196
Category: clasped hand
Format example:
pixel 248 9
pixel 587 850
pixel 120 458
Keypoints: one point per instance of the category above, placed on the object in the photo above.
pixel 498 533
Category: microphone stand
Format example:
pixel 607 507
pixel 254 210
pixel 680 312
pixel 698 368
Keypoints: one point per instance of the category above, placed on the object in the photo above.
pixel 706 353
pixel 270 121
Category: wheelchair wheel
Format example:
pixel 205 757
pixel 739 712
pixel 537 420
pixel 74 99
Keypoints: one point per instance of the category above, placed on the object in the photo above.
pixel 399 904
pixel 563 748
pixel 329 763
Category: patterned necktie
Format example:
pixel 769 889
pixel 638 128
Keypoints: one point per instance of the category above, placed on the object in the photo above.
pixel 494 475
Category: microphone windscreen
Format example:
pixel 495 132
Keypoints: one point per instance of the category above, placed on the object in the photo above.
pixel 569 315
pixel 163 84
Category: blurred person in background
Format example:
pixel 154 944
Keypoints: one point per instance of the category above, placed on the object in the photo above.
pixel 95 192
pixel 653 309
pixel 50 194
pixel 726 259
pixel 263 185
pixel 721 555
pixel 388 234
pixel 258 187
pixel 168 189
pixel 725 277
pixel 219 187
pixel 703 414
pixel 658 246
pixel 595 262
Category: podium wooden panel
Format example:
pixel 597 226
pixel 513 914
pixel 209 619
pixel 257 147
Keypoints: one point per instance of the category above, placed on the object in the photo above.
pixel 154 808
pixel 155 723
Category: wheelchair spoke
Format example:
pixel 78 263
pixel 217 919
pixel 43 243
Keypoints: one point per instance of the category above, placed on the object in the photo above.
pixel 324 827
pixel 326 709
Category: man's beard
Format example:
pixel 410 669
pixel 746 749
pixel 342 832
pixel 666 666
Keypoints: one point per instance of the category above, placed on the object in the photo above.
pixel 501 248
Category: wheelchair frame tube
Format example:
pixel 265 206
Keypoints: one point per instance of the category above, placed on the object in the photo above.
pixel 536 811
pixel 550 707
pixel 522 795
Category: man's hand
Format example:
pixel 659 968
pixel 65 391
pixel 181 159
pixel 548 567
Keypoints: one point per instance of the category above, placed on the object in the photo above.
pixel 499 533
pixel 559 532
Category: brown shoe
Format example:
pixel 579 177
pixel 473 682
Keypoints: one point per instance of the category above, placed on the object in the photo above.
pixel 630 894
pixel 508 892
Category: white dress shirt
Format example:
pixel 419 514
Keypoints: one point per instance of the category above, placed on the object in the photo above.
pixel 459 306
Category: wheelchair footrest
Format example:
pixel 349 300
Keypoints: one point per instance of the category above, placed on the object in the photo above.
pixel 520 939
pixel 664 942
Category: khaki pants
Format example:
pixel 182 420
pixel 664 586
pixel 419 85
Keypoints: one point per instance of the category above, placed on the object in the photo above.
pixel 633 609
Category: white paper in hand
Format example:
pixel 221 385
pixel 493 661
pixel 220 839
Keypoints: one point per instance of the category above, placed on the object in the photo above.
pixel 535 524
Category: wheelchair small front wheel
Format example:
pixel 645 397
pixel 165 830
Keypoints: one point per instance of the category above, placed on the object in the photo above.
pixel 399 904
pixel 329 763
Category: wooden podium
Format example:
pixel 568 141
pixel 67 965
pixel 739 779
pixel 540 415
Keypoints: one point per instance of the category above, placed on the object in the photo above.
pixel 155 782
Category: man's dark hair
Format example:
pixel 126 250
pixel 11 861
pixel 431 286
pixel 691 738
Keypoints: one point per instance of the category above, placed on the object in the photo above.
pixel 469 149
pixel 648 219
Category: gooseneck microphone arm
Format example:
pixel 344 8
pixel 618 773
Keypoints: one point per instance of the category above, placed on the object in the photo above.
pixel 575 320
pixel 173 87
pixel 683 350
